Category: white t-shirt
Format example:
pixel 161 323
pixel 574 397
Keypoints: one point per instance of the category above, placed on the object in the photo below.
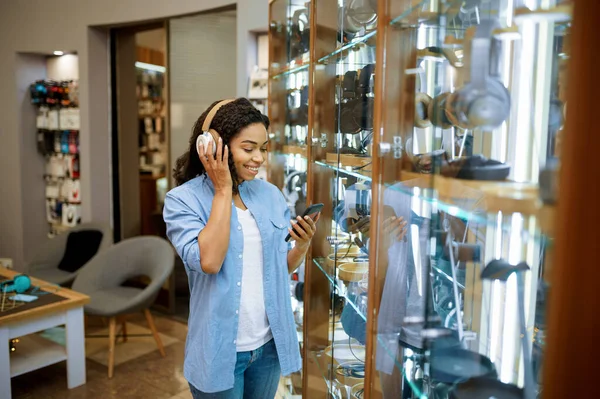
pixel 253 328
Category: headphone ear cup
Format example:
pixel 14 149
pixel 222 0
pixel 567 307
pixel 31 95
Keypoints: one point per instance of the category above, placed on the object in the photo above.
pixel 451 112
pixel 22 283
pixel 422 101
pixel 493 108
pixel 206 140
pixel 486 110
pixel 436 111
pixel 19 284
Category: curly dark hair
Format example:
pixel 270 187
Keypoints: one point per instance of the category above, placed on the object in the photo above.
pixel 228 121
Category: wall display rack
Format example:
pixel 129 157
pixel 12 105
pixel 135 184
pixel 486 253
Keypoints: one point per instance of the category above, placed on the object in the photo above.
pixel 57 124
pixel 431 131
pixel 151 112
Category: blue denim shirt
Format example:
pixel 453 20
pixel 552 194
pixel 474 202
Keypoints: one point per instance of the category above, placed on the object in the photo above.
pixel 210 351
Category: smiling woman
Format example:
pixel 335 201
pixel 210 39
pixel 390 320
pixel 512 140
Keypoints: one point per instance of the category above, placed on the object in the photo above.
pixel 236 122
pixel 229 229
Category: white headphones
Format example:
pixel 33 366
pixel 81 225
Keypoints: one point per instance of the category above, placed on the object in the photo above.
pixel 209 137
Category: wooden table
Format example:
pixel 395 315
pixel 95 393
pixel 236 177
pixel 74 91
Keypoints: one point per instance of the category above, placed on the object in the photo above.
pixel 34 352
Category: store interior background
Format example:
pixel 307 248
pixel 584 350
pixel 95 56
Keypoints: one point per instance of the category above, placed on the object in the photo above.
pixel 208 53
pixel 83 28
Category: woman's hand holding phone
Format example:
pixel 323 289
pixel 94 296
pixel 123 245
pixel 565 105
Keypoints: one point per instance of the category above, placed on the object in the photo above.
pixel 217 167
pixel 303 230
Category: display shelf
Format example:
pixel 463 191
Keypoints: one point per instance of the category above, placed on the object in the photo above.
pixel 348 46
pixel 34 352
pixel 487 199
pixel 347 170
pixel 344 64
pixel 281 73
pixel 341 288
pixel 401 19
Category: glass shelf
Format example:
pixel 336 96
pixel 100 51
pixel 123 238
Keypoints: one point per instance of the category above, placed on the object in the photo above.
pixel 347 170
pixel 498 212
pixel 398 21
pixel 341 288
pixel 355 42
pixel 290 71
pixel 344 65
pixel 518 200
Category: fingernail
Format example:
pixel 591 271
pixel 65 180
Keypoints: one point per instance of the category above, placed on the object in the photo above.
pixel 306 218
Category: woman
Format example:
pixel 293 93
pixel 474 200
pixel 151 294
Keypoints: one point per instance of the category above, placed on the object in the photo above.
pixel 229 229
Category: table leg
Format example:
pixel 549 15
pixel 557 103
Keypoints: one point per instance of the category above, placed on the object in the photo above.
pixel 75 338
pixel 5 391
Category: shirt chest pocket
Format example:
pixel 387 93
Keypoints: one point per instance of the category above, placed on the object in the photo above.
pixel 280 231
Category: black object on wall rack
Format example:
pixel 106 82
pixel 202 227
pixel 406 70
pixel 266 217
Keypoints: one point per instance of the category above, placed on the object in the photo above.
pixel 58 124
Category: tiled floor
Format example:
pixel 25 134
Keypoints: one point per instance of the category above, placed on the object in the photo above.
pixel 146 376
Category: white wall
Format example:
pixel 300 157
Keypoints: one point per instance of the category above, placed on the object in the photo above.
pixel 65 67
pixel 263 51
pixel 30 26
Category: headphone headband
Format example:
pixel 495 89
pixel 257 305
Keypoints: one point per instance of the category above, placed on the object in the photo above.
pixel 212 113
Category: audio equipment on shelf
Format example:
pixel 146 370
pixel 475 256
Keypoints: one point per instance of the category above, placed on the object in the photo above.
pixel 483 102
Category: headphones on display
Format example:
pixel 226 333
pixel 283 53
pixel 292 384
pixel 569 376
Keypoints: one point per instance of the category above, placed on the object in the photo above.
pixel 356 108
pixel 210 136
pixel 299 33
pixel 355 16
pixel 20 284
pixel 298 106
pixel 346 123
pixel 422 101
pixel 363 111
pixel 436 111
pixel 484 102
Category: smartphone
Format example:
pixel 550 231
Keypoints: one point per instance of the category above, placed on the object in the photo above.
pixel 311 212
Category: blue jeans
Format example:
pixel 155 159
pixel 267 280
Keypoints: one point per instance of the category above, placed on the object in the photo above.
pixel 257 375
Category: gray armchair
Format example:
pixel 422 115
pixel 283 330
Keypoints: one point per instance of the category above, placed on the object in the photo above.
pixel 102 280
pixel 47 259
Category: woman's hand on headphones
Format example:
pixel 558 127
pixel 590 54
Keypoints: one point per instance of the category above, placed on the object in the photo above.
pixel 304 230
pixel 217 167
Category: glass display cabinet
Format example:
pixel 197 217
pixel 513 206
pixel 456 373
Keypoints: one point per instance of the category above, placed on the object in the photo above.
pixel 472 112
pixel 431 133
pixel 341 98
pixel 289 40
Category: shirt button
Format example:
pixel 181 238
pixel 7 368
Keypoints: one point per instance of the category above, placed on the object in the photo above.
pixel 237 311
pixel 240 256
pixel 239 227
pixel 234 341
pixel 239 285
